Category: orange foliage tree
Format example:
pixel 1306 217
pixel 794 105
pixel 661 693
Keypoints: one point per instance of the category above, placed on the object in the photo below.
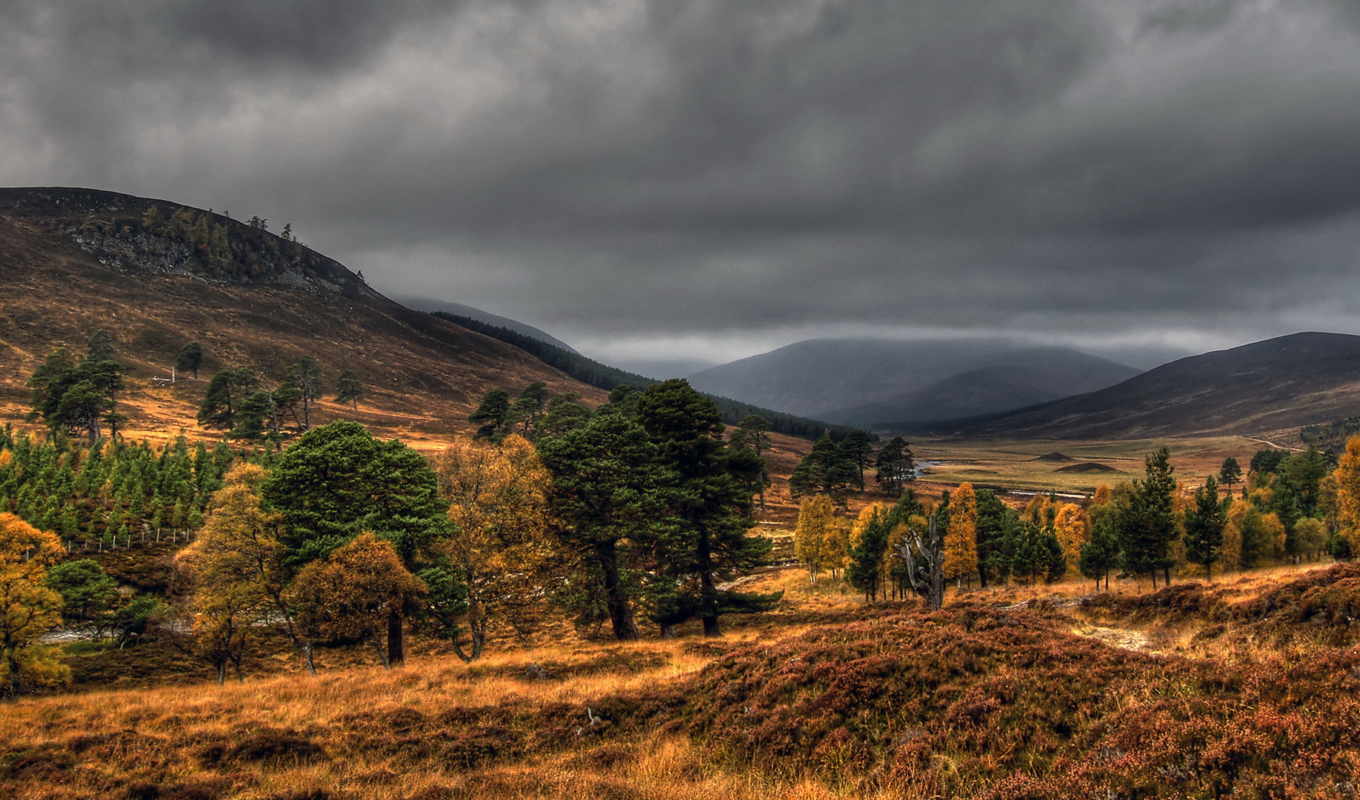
pixel 960 539
pixel 350 594
pixel 1346 478
pixel 28 608
pixel 1073 530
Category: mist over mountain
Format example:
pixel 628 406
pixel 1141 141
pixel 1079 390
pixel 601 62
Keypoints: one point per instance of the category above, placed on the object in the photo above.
pixel 865 381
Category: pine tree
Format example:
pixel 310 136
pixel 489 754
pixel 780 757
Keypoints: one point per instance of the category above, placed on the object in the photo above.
pixel 1204 525
pixel 1230 473
pixel 1147 522
pixel 493 416
pixel 705 493
pixel 189 358
pixel 348 389
pixel 1100 554
pixel 895 465
pixel 868 544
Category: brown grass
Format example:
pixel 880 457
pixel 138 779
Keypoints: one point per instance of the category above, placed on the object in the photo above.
pixel 823 698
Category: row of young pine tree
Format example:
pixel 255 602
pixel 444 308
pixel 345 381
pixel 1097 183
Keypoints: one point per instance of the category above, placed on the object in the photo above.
pixel 637 509
pixel 1294 507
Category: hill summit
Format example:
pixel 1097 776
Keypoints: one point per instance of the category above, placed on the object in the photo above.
pixel 157 274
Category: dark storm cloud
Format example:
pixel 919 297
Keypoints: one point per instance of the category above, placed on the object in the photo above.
pixel 708 177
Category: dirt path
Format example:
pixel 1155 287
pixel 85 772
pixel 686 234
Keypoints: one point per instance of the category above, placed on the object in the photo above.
pixel 1272 444
pixel 1123 638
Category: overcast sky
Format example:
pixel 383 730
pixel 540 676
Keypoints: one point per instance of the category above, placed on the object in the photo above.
pixel 713 178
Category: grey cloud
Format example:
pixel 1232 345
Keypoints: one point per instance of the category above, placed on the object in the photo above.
pixel 655 169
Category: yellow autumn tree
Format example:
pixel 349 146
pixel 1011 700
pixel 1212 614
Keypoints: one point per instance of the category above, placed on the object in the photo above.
pixel 235 566
pixel 501 548
pixel 815 516
pixel 960 539
pixel 28 608
pixel 1346 477
pixel 1230 558
pixel 1073 530
pixel 892 558
pixel 836 550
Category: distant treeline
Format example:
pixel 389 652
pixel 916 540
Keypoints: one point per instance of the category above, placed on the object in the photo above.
pixel 605 377
pixel 1330 437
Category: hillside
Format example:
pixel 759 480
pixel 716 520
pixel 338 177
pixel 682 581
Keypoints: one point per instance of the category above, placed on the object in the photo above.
pixel 1023 378
pixel 460 310
pixel 1295 380
pixel 74 261
pixel 863 381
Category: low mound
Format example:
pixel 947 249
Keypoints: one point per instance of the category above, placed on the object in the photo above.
pixel 1321 605
pixel 1055 456
pixel 1024 710
pixel 1087 467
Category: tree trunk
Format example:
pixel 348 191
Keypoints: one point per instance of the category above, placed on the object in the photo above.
pixel 707 591
pixel 620 613
pixel 396 651
pixel 667 631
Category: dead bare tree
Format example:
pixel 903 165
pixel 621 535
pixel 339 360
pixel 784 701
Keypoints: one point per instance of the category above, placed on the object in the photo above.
pixel 924 558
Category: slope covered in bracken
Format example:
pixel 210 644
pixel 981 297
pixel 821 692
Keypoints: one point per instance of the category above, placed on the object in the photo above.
pixel 74 261
pixel 985 699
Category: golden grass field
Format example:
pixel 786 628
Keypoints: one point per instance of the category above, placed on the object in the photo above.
pixel 1017 464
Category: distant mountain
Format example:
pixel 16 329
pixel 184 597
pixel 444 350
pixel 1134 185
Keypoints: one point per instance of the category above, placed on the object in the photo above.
pixel 1022 378
pixel 431 305
pixel 1301 379
pixel 869 380
pixel 604 376
pixel 663 368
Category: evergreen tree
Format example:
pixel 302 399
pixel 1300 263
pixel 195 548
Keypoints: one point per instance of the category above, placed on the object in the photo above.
pixel 705 492
pixel 78 396
pixel 337 481
pixel 306 376
pixel 869 545
pixel 528 409
pixel 1230 473
pixel 1147 522
pixel 857 449
pixel 895 465
pixel 493 416
pixel 752 433
pixel 348 389
pixel 1100 554
pixel 225 394
pixel 825 470
pixel 189 358
pixel 1204 525
pixel 996 529
pixel 603 501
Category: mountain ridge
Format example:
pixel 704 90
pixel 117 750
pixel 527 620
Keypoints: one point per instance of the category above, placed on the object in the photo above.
pixel 1287 381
